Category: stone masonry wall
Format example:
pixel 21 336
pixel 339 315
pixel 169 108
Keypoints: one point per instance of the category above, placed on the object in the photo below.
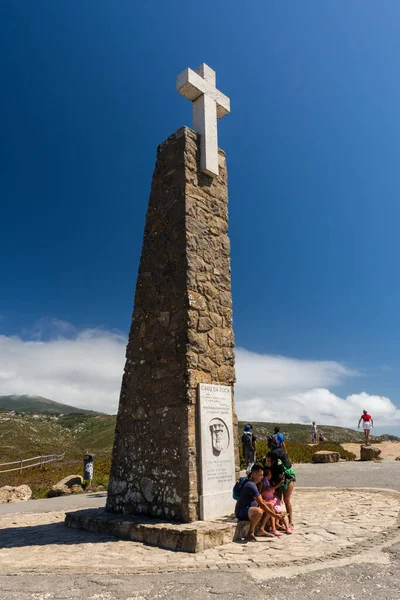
pixel 181 335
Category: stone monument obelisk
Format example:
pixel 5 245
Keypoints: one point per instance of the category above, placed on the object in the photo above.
pixel 175 453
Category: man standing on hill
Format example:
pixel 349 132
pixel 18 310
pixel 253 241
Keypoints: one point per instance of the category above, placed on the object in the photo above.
pixel 314 433
pixel 368 424
pixel 249 446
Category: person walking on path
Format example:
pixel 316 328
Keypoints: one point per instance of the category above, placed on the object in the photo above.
pixel 368 424
pixel 314 432
pixel 249 442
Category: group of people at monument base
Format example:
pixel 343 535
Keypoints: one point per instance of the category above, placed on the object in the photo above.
pixel 264 497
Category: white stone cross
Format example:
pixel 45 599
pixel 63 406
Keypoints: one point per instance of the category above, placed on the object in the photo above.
pixel 209 104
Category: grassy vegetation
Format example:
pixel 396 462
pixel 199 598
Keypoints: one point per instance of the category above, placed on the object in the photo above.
pixel 90 433
pixel 299 452
pixel 23 437
pixel 302 433
pixel 78 433
pixel 41 480
pixel 302 453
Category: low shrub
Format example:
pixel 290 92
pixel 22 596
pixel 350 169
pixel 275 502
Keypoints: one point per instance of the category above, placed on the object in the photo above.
pixel 299 452
pixel 302 453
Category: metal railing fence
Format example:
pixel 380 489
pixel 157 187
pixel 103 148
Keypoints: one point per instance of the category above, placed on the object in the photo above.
pixel 43 459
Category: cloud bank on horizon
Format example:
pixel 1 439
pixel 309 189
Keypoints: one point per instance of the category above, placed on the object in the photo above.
pixel 84 369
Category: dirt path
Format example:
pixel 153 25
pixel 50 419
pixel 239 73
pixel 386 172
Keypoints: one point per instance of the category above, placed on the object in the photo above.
pixel 390 450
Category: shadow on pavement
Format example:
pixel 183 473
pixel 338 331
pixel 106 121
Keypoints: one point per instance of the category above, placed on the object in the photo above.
pixel 50 533
pixel 97 495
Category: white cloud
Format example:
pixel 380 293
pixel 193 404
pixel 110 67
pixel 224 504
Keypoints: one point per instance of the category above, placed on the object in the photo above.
pixel 84 369
pixel 280 389
pixel 257 372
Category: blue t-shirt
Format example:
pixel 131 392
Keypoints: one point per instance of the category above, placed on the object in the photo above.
pixel 248 495
pixel 281 438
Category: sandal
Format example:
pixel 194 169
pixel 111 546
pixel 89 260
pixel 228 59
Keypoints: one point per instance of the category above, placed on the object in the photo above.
pixel 289 531
pixel 250 538
pixel 276 533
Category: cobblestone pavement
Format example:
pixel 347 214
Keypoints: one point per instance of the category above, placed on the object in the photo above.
pixel 330 525
pixel 378 578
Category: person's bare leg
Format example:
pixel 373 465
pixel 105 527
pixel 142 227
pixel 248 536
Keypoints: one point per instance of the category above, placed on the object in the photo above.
pixel 287 496
pixel 265 519
pixel 255 515
pixel 279 494
pixel 367 432
pixel 285 522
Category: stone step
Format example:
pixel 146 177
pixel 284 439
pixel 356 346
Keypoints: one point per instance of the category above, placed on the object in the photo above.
pixel 185 537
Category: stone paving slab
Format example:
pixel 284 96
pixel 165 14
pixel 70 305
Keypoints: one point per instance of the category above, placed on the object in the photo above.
pixel 329 524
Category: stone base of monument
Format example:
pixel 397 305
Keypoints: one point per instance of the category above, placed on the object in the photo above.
pixel 185 537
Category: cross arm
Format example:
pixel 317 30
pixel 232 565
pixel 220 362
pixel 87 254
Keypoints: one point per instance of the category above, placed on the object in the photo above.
pixel 192 86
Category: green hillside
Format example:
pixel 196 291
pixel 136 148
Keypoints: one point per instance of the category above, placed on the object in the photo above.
pixel 28 435
pixel 77 433
pixel 302 433
pixel 31 435
pixel 38 405
pixel 22 437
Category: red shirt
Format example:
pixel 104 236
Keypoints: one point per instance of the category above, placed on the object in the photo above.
pixel 366 417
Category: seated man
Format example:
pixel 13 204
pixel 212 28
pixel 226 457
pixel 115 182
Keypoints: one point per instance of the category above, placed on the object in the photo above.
pixel 251 507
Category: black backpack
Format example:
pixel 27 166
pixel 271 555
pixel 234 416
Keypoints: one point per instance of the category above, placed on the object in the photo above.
pixel 247 440
pixel 273 441
pixel 283 457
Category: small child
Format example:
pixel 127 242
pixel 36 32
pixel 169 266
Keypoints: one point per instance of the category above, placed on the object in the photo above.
pixel 268 495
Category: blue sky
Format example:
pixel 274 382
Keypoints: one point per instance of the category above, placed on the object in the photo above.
pixel 313 148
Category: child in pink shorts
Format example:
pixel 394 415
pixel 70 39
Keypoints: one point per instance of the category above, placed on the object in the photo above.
pixel 268 495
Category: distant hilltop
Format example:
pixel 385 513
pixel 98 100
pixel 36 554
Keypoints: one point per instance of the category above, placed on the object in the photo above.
pixel 39 406
pixel 302 433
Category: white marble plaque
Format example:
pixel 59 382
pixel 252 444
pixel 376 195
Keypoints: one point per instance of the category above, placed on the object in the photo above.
pixel 217 451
